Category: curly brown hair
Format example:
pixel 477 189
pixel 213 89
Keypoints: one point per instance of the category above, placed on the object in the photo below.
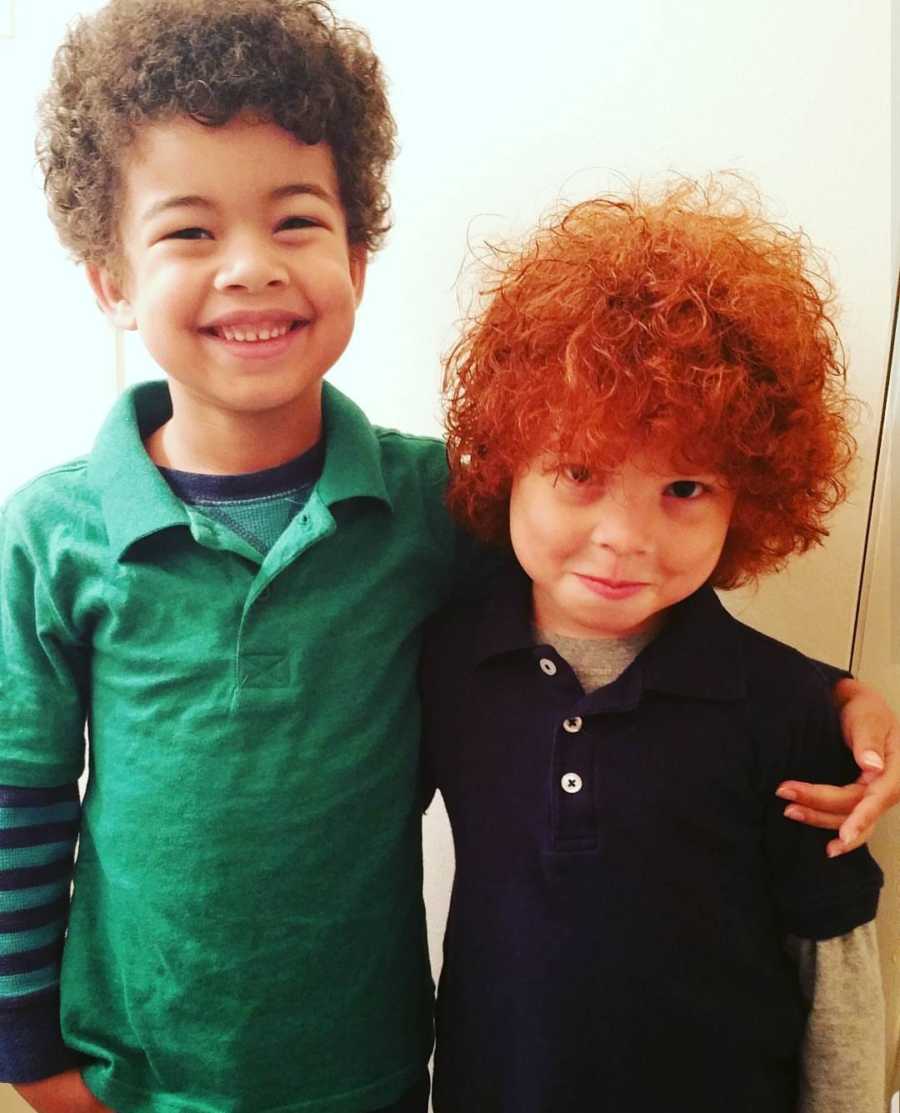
pixel 289 62
pixel 686 323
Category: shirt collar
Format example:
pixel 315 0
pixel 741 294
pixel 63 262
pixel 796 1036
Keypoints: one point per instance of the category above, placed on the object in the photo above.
pixel 353 466
pixel 136 500
pixel 696 655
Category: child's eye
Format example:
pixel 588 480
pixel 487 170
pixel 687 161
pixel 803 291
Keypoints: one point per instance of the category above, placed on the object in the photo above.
pixel 296 222
pixel 576 473
pixel 686 489
pixel 188 234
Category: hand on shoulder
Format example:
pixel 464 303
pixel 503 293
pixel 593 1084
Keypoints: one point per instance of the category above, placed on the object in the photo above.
pixel 872 732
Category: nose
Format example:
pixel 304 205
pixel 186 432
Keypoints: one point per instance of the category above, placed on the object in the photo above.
pixel 249 264
pixel 620 527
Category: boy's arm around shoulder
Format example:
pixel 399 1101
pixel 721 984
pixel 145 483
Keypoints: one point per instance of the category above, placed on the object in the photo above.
pixel 798 737
pixel 43 685
pixel 872 732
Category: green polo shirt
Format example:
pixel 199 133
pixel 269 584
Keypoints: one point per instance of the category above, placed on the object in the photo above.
pixel 247 931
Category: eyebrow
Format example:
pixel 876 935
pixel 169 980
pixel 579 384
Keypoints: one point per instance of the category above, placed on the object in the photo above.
pixel 195 201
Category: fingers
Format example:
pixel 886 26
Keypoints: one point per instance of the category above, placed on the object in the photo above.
pixel 820 800
pixel 868 724
pixel 827 820
pixel 845 810
pixel 880 795
pixel 868 751
pixel 858 827
pixel 852 810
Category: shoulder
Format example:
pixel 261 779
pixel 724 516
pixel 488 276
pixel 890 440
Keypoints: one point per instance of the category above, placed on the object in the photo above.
pixel 451 636
pixel 411 452
pixel 414 469
pixel 790 711
pixel 53 530
pixel 483 625
pixel 454 624
pixel 778 674
pixel 56 495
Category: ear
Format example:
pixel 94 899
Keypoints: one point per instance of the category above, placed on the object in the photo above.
pixel 359 258
pixel 111 297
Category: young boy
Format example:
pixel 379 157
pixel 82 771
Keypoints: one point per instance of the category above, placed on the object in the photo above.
pixel 230 590
pixel 648 407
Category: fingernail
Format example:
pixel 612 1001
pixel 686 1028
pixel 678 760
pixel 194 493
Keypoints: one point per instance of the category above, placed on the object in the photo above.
pixel 793 813
pixel 786 793
pixel 833 851
pixel 872 760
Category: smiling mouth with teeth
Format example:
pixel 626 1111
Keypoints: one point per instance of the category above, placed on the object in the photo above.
pixel 251 334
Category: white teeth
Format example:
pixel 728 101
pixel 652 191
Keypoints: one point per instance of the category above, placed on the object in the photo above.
pixel 248 335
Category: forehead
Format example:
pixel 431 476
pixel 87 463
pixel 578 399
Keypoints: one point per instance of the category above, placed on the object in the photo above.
pixel 242 160
pixel 639 459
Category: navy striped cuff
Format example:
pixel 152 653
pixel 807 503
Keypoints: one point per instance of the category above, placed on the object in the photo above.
pixel 38 831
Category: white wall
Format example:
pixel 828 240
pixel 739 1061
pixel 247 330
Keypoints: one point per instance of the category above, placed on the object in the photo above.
pixel 503 108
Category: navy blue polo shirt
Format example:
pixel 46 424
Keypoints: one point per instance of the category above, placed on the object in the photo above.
pixel 625 877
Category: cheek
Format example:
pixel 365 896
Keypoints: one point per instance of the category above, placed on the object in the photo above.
pixel 170 287
pixel 539 537
pixel 333 282
pixel 692 552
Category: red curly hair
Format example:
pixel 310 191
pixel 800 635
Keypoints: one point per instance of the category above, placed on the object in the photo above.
pixel 686 323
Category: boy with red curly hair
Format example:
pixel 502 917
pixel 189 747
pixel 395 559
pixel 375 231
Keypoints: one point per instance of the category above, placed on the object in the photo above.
pixel 649 407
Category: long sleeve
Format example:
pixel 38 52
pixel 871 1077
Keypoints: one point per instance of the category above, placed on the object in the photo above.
pixel 842 1062
pixel 38 830
pixel 44 680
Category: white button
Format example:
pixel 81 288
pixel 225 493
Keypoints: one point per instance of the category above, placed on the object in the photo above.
pixel 573 726
pixel 571 782
pixel 547 666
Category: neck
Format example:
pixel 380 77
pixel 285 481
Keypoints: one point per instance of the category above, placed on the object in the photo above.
pixel 220 442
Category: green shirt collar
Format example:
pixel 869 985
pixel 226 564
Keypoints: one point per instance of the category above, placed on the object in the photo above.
pixel 137 501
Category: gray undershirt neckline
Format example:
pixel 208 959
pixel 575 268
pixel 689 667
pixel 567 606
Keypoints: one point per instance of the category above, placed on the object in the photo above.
pixel 596 661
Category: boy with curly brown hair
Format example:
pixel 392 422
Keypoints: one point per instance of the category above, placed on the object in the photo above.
pixel 649 406
pixel 230 591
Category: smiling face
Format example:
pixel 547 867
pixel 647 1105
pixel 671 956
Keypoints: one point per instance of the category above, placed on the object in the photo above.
pixel 608 557
pixel 236 268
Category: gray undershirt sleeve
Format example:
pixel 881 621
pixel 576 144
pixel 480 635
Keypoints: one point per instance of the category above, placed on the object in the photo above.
pixel 842 1067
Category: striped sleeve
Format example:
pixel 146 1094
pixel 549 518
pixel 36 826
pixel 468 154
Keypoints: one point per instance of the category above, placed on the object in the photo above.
pixel 38 831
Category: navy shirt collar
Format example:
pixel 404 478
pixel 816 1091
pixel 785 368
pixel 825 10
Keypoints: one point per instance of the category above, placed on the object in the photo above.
pixel 696 655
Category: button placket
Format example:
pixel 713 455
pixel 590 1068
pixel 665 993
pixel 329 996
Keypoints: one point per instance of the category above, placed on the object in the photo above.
pixel 574 810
